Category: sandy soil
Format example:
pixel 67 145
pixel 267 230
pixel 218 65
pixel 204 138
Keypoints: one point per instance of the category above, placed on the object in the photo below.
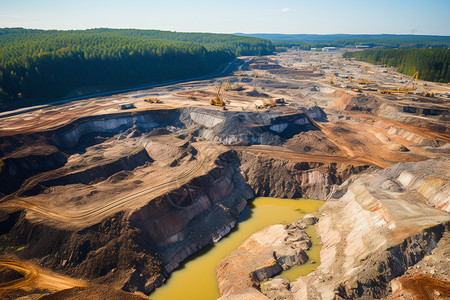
pixel 356 129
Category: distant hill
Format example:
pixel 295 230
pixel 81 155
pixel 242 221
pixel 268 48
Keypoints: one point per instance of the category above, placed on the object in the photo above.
pixel 373 40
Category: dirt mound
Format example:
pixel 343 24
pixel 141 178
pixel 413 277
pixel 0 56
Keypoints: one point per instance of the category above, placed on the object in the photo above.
pixel 396 147
pixel 362 103
pixel 255 93
pixel 159 131
pixel 312 142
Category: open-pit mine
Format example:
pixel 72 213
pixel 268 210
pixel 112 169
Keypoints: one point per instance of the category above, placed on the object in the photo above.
pixel 110 197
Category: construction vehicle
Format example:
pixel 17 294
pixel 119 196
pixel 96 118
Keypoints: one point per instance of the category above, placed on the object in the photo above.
pixel 152 100
pixel 332 79
pixel 217 101
pixel 240 73
pixel 363 80
pixel 269 104
pixel 405 89
pixel 427 93
pixel 243 73
pixel 228 85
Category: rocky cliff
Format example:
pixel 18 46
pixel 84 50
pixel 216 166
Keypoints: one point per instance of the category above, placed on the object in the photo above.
pixel 289 178
pixel 385 224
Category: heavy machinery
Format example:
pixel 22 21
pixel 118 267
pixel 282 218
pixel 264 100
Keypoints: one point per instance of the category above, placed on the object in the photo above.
pixel 243 73
pixel 217 101
pixel 269 104
pixel 240 73
pixel 152 100
pixel 427 93
pixel 256 73
pixel 332 79
pixel 228 85
pixel 405 89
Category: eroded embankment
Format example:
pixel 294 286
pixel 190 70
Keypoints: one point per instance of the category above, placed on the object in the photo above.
pixel 272 176
pixel 381 227
pixel 123 199
pixel 137 249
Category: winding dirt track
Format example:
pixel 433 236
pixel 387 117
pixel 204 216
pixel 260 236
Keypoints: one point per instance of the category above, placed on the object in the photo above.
pixel 96 211
pixel 34 277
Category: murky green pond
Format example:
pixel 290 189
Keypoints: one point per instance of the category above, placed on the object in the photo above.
pixel 196 279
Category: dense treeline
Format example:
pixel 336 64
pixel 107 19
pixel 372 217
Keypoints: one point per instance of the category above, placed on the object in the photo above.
pixel 432 64
pixel 308 41
pixel 39 65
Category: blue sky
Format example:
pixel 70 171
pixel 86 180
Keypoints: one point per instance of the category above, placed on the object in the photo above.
pixel 230 16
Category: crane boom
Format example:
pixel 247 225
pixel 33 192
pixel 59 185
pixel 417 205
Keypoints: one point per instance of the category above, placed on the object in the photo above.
pixel 405 89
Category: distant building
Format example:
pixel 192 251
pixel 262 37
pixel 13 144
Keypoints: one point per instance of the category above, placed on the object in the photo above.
pixel 326 49
pixel 362 46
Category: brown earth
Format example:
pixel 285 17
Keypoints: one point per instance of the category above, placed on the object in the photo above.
pixel 120 198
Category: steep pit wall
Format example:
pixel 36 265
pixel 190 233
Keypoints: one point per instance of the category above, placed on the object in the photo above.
pixel 28 154
pixel 207 210
pixel 111 251
pixel 69 135
pixel 28 162
pixel 135 250
pixel 253 127
pixel 276 177
pixel 86 175
pixel 376 231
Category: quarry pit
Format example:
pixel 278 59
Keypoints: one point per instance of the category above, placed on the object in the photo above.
pixel 95 196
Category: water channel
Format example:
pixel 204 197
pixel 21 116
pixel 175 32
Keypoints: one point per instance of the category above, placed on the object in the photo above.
pixel 196 278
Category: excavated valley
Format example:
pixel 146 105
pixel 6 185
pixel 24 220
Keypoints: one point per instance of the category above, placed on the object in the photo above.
pixel 123 198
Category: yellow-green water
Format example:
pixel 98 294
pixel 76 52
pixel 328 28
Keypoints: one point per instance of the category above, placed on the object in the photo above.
pixel 196 279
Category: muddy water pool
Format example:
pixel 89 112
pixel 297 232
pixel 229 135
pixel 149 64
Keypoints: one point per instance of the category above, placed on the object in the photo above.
pixel 196 278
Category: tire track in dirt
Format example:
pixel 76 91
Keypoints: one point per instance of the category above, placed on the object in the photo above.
pixel 79 217
pixel 34 277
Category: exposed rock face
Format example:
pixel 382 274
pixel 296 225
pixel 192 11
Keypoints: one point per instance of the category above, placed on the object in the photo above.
pixel 376 231
pixel 253 127
pixel 261 256
pixel 291 179
pixel 277 289
pixel 135 250
pixel 428 279
pixel 27 162
pixel 182 228
pixel 387 224
pixel 120 200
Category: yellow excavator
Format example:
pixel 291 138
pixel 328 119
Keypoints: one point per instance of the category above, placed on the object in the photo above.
pixel 256 73
pixel 332 79
pixel 228 85
pixel 427 93
pixel 217 101
pixel 405 89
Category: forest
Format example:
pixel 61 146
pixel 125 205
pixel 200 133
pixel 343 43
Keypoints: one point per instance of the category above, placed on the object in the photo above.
pixel 385 41
pixel 432 64
pixel 38 66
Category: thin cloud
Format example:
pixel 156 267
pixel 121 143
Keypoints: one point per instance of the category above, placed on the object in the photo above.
pixel 286 10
